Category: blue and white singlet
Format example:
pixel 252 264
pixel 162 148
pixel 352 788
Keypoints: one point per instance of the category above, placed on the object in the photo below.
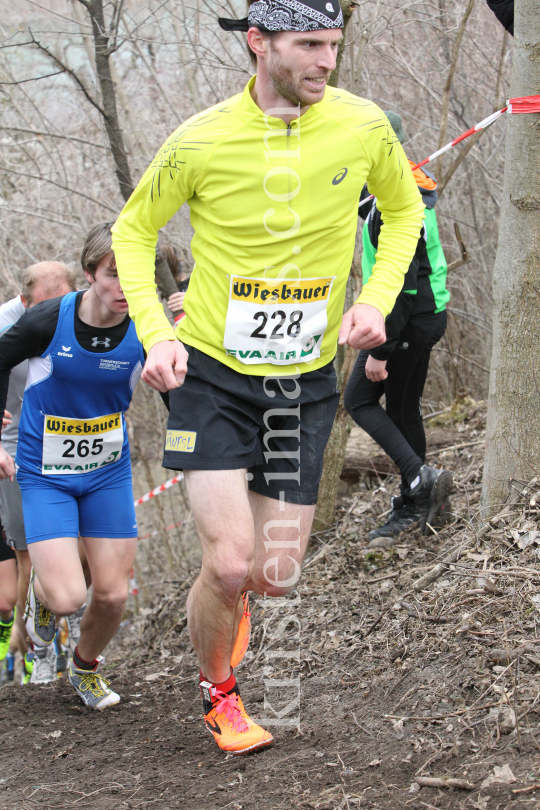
pixel 72 421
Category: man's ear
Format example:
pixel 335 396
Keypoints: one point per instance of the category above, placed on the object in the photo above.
pixel 89 277
pixel 24 301
pixel 257 42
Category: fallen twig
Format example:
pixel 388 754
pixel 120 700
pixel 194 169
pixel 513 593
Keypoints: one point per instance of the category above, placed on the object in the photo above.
pixel 441 716
pixel 439 569
pixel 454 447
pixel 380 579
pixel 527 789
pixel 433 781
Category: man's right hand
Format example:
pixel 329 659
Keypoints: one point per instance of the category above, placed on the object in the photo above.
pixel 166 365
pixel 7 465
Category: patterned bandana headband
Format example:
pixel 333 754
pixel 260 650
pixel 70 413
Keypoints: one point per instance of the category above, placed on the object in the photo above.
pixel 288 15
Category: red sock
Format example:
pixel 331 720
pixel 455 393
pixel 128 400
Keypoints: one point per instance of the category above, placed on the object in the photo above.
pixel 226 686
pixel 80 663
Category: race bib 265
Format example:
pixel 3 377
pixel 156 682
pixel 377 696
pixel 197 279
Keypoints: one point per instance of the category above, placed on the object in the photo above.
pixel 74 446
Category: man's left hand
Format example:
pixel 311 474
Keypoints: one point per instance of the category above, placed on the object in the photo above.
pixel 362 327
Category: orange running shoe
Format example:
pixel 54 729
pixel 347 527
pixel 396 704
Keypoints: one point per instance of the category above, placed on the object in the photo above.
pixel 226 718
pixel 244 633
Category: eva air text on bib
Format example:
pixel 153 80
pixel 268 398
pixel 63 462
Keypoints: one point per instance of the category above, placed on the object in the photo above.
pixel 273 321
pixel 75 446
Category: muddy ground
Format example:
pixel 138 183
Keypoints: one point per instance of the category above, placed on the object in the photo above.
pixel 381 682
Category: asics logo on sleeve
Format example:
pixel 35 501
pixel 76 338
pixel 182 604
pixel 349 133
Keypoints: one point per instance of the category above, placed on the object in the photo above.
pixel 96 342
pixel 339 177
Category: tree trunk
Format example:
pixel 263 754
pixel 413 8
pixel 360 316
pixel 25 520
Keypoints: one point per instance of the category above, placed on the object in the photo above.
pixel 104 70
pixel 448 85
pixel 164 277
pixel 108 95
pixel 334 455
pixel 513 427
pixel 347 7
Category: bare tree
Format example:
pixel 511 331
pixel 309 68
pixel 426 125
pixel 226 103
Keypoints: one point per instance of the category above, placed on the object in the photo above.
pixel 106 42
pixel 513 430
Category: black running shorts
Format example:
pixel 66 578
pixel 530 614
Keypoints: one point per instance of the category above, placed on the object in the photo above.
pixel 276 427
pixel 6 553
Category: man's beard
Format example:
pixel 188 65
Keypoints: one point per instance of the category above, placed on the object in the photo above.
pixel 284 82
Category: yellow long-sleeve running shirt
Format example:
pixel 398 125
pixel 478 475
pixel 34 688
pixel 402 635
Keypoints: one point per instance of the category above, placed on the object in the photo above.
pixel 274 209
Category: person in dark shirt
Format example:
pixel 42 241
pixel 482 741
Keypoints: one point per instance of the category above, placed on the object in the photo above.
pixel 39 282
pixel 398 368
pixel 73 459
pixel 504 11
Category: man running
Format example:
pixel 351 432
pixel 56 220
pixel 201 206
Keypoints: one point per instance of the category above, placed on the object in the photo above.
pixel 39 282
pixel 398 369
pixel 272 177
pixel 73 461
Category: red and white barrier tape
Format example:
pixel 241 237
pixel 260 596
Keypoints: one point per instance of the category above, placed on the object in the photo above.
pixel 514 106
pixel 167 528
pixel 133 587
pixel 158 490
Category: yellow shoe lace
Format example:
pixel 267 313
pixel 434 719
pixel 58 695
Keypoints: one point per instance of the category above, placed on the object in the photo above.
pixel 93 682
pixel 44 617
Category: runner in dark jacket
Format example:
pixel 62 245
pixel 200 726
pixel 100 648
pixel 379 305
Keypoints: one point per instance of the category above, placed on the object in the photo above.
pixel 399 367
pixel 504 11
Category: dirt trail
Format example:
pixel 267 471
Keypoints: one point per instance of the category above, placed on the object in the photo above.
pixel 394 684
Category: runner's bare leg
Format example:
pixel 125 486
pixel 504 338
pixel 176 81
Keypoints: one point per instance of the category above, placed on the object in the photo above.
pixel 233 561
pixel 60 584
pixel 220 505
pixel 8 588
pixel 24 567
pixel 279 549
pixel 110 561
pixel 59 581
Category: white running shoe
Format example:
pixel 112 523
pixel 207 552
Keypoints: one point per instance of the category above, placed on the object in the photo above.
pixel 40 623
pixel 44 670
pixel 92 688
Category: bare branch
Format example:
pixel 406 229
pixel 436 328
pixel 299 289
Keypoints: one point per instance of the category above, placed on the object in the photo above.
pixel 59 185
pixel 459 159
pixel 28 212
pixel 450 78
pixel 66 69
pixel 115 21
pixel 43 133
pixel 35 78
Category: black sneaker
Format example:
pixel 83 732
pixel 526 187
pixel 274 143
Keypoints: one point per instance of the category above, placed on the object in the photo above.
pixel 431 497
pixel 404 513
